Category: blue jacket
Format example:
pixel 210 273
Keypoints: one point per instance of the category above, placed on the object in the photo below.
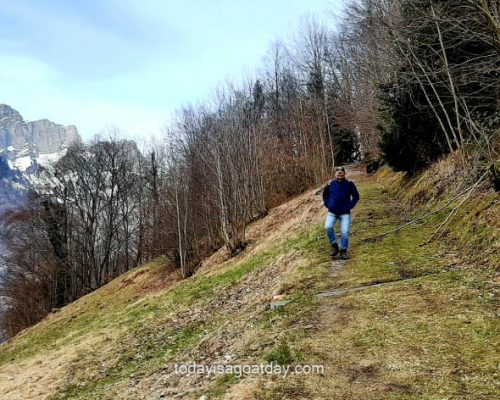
pixel 340 197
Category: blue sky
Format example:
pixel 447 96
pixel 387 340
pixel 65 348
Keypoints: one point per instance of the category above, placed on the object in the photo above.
pixel 131 64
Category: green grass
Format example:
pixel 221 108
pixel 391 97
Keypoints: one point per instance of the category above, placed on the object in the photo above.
pixel 393 256
pixel 100 314
pixel 281 354
pixel 97 312
pixel 221 386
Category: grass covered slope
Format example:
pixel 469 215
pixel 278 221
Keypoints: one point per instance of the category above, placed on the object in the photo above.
pixel 430 332
pixel 119 341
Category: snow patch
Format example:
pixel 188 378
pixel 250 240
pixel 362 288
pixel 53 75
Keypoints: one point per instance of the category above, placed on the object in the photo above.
pixel 46 160
pixel 22 163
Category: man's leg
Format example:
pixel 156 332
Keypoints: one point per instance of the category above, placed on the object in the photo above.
pixel 330 221
pixel 345 228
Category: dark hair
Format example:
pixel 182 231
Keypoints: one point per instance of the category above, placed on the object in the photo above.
pixel 339 169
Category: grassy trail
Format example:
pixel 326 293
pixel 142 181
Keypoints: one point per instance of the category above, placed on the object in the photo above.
pixel 432 333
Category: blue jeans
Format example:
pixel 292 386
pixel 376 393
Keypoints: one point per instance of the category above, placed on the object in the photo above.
pixel 345 228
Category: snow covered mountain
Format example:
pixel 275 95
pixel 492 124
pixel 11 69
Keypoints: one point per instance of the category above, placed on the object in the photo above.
pixel 24 143
pixel 25 148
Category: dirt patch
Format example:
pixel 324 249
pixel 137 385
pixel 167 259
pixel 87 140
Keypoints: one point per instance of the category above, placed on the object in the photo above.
pixel 128 281
pixel 145 282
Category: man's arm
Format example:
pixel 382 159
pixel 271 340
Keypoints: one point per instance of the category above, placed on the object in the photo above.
pixel 354 194
pixel 326 194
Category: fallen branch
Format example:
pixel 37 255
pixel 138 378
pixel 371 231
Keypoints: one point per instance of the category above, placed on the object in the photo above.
pixel 425 215
pixel 454 211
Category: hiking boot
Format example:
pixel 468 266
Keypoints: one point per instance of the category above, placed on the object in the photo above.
pixel 343 254
pixel 335 250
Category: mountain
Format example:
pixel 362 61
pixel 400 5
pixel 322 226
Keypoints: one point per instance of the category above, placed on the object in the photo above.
pixel 25 147
pixel 23 143
pixel 43 136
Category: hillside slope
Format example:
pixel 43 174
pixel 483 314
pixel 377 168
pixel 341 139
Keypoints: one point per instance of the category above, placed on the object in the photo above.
pixel 423 323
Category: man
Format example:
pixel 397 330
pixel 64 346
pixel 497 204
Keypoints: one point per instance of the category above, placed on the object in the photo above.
pixel 339 196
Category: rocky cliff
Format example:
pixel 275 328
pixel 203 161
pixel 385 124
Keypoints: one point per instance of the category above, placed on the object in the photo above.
pixel 40 137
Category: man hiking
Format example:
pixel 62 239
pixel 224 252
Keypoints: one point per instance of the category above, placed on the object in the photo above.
pixel 339 196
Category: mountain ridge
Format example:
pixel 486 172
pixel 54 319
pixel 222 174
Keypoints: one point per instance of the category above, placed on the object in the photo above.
pixel 41 136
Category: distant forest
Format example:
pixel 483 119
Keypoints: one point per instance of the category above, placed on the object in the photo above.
pixel 401 82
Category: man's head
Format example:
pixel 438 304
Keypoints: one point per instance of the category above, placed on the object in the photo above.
pixel 340 173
